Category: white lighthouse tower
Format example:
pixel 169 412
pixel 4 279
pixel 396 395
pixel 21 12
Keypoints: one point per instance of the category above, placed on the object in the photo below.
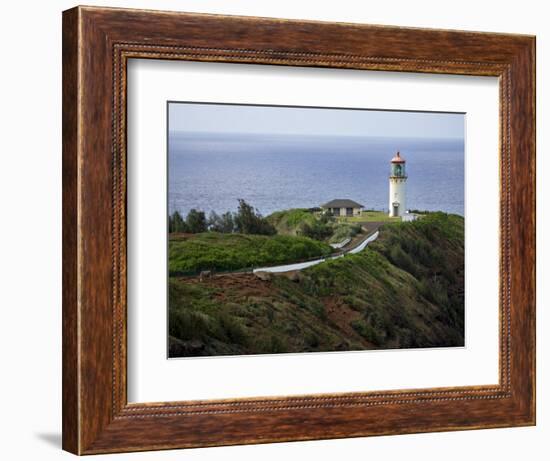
pixel 398 182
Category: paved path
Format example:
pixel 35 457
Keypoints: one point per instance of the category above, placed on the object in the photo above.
pixel 300 266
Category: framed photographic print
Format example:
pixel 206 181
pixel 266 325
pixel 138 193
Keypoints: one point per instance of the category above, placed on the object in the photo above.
pixel 265 263
pixel 284 230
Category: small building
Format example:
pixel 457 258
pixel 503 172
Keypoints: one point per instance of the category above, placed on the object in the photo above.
pixel 342 207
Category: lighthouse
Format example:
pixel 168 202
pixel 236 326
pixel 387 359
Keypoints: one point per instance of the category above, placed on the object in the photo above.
pixel 398 182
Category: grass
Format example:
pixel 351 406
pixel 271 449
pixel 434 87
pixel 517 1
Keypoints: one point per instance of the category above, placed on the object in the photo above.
pixel 289 222
pixel 404 290
pixel 368 216
pixel 224 252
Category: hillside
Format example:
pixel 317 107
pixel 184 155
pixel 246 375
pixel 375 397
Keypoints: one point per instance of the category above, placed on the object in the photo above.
pixel 290 222
pixel 405 290
pixel 192 253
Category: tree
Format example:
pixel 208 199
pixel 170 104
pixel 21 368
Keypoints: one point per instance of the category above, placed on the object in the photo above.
pixel 248 220
pixel 214 222
pixel 224 223
pixel 196 221
pixel 176 223
pixel 227 222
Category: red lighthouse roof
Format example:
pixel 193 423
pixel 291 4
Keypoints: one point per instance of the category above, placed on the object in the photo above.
pixel 398 158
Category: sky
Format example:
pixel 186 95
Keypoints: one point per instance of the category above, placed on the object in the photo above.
pixel 280 120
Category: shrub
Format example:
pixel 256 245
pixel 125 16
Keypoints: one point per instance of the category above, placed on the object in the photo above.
pixel 318 230
pixel 232 329
pixel 366 331
pixel 188 324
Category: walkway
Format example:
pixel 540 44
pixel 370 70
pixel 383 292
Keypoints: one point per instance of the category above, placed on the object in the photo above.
pixel 304 265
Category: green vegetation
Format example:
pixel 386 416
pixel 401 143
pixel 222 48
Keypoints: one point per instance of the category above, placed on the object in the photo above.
pixel 343 231
pixel 321 229
pixel 196 222
pixel 404 290
pixel 224 223
pixel 368 216
pixel 315 225
pixel 176 223
pixel 292 222
pixel 410 282
pixel 247 220
pixel 297 222
pixel 223 252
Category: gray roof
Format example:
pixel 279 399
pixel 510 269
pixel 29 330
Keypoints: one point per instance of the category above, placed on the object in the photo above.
pixel 342 203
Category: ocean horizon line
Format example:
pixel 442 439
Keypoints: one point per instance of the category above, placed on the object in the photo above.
pixel 312 135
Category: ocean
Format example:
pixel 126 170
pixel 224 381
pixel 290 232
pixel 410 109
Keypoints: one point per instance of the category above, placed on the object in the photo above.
pixel 211 171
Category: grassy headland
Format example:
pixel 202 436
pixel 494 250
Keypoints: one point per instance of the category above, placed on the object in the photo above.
pixel 406 289
pixel 215 251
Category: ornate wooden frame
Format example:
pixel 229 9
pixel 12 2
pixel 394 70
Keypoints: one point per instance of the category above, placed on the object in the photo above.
pixel 97 43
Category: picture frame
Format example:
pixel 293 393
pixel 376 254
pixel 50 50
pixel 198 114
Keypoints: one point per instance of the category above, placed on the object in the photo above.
pixel 97 45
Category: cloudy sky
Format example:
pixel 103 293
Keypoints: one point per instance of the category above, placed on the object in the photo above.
pixel 247 119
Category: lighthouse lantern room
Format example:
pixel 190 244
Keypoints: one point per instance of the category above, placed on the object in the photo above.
pixel 398 181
